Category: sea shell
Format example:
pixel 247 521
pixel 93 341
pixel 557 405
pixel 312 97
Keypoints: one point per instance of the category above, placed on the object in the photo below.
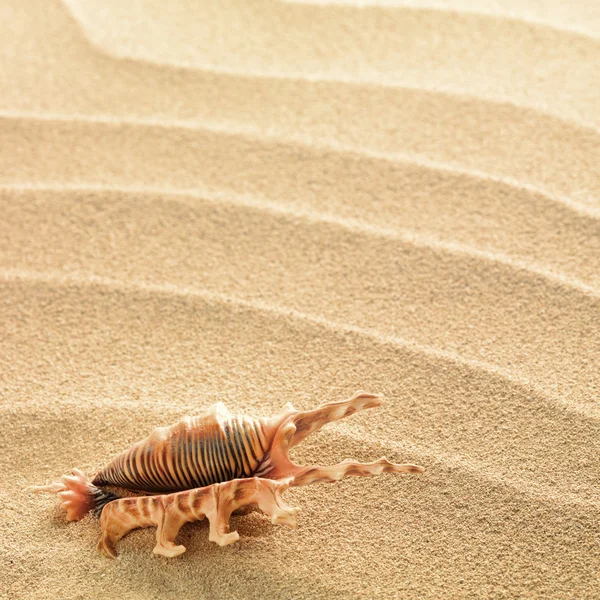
pixel 210 465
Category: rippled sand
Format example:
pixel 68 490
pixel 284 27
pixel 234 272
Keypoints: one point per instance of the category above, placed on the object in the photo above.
pixel 258 202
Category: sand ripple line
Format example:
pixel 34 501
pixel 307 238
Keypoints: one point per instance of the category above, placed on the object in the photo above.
pixel 267 143
pixel 438 49
pixel 518 222
pixel 583 20
pixel 491 137
pixel 403 235
pixel 550 493
pixel 83 278
pixel 478 309
pixel 270 142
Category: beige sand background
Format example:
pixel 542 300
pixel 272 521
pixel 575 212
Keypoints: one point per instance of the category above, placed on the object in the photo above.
pixel 260 202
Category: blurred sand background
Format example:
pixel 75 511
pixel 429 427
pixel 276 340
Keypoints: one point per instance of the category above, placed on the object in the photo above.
pixel 263 201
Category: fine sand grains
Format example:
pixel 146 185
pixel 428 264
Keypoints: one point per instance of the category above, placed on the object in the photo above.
pixel 262 202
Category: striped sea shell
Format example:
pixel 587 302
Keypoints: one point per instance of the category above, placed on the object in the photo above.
pixel 198 451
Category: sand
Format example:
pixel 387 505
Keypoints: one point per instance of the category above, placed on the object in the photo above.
pixel 258 202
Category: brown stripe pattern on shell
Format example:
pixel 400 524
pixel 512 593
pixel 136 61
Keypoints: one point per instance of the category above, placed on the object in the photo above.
pixel 196 452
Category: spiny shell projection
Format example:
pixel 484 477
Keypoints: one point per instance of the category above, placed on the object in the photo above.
pixel 170 512
pixel 209 466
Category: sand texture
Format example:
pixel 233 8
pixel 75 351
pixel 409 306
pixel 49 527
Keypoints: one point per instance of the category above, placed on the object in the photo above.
pixel 258 201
